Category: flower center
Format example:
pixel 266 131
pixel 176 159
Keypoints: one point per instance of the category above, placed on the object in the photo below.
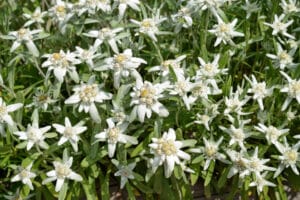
pixel 291 156
pixel 22 32
pixel 88 93
pixel 224 28
pixel 254 164
pixel 56 56
pixel 62 170
pixel 60 9
pixel 105 33
pixel 260 89
pixel 68 132
pixel 169 63
pixel 181 87
pixel 279 26
pixel 113 134
pixel 147 95
pixel 120 58
pixel 294 88
pixel 168 147
pixel 210 151
pixel 238 134
pixel 284 56
pixel 3 111
pixel 32 135
pixel 273 133
pixel 146 23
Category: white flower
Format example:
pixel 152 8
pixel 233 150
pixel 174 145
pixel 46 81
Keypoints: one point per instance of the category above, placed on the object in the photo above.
pixel 182 18
pixel 181 88
pixel 291 114
pixel 123 65
pixel 26 36
pixel 201 89
pixel 238 135
pixel 259 91
pixel 210 151
pixel 6 109
pixel 86 95
pixel 41 100
pixel 250 8
pixel 280 27
pixel 272 133
pixel 106 35
pixel 204 119
pixel 114 134
pixel 206 4
pixel 148 26
pixel 164 67
pixel 34 135
pixel 289 7
pixel 104 5
pixel 25 176
pixel 61 11
pixel 92 6
pixel 145 97
pixel 289 157
pixel 239 162
pixel 62 171
pixel 257 165
pixel 61 63
pixel 283 58
pixel 88 55
pixel 292 89
pixel 69 133
pixel 35 17
pixel 123 4
pixel 167 151
pixel 210 69
pixel 125 171
pixel 234 104
pixel 225 32
pixel 260 182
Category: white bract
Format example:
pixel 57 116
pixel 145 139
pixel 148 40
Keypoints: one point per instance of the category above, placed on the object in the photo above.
pixel 225 31
pixel 35 17
pixel 125 171
pixel 260 182
pixel 106 34
pixel 25 176
pixel 62 63
pixel 239 163
pixel 182 18
pixel 114 134
pixel 123 4
pixel 34 135
pixel 62 171
pixel 5 110
pixel 167 152
pixel 148 26
pixel 123 65
pixel 145 98
pixel 272 133
pixel 292 90
pixel 289 6
pixel 87 55
pixel 86 95
pixel 26 36
pixel 259 91
pixel 69 133
pixel 289 157
pixel 283 58
pixel 279 26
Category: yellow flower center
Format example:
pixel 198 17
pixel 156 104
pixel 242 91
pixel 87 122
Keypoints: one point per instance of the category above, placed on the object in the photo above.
pixel 62 170
pixel 284 56
pixel 120 58
pixel 238 134
pixel 113 134
pixel 294 88
pixel 224 28
pixel 3 110
pixel 291 156
pixel 168 147
pixel 60 9
pixel 56 56
pixel 68 132
pixel 210 151
pixel 146 23
pixel 24 173
pixel 22 32
pixel 88 93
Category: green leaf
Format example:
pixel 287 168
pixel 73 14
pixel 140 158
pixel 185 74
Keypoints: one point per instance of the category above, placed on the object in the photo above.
pixel 222 180
pixel 209 173
pixel 63 191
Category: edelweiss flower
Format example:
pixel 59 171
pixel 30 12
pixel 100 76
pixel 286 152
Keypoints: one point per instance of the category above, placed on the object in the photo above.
pixel 201 89
pixel 238 135
pixel 86 95
pixel 92 6
pixel 182 18
pixel 88 55
pixel 225 32
pixel 25 175
pixel 106 35
pixel 145 97
pixel 61 63
pixel 61 172
pixel 250 8
pixel 272 133
pixel 113 135
pixel 61 11
pixel 34 135
pixel 123 65
pixel 123 6
pixel 206 4
pixel 259 91
pixel 280 27
pixel 292 89
pixel 125 171
pixel 239 162
pixel 204 119
pixel 41 100
pixel 149 27
pixel 164 67
pixel 69 133
pixel 211 69
pixel 260 182
pixel 283 58
pixel 35 17
pixel 289 157
pixel 210 151
pixel 290 7
pixel 24 35
pixel 5 110
pixel 167 151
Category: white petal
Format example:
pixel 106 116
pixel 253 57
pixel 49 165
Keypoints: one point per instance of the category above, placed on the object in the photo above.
pixel 59 184
pixel 75 176
pixel 32 48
